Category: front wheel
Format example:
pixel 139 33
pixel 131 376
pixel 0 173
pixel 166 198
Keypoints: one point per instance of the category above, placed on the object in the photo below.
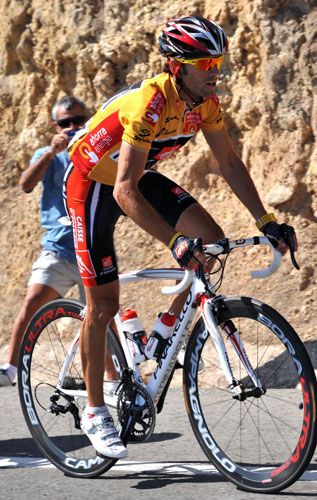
pixel 264 440
pixel 52 390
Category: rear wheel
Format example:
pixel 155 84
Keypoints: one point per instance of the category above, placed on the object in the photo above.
pixel 262 440
pixel 53 410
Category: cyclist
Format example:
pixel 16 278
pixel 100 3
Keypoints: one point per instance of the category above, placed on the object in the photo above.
pixel 112 174
pixel 55 270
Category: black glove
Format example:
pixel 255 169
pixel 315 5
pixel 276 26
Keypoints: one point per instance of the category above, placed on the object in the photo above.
pixel 275 232
pixel 184 248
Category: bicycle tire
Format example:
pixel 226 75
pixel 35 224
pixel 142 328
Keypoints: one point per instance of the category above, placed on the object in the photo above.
pixel 42 355
pixel 261 444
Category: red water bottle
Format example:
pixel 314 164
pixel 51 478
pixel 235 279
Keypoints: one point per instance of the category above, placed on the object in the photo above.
pixel 162 331
pixel 135 334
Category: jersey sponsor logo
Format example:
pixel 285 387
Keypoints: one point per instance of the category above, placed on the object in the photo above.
pixel 166 152
pixel 178 190
pixel 99 139
pixel 99 134
pixel 107 264
pixel 97 142
pixel 166 131
pixel 151 117
pixel 141 130
pixel 180 193
pixel 78 227
pixel 170 118
pixel 141 139
pixel 85 264
pixel 193 122
pixel 154 108
pixel 86 152
pixel 144 132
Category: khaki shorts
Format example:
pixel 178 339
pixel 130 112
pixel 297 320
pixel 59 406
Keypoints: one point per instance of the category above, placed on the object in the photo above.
pixel 60 274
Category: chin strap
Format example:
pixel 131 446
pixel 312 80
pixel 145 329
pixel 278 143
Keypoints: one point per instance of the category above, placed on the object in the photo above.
pixel 181 87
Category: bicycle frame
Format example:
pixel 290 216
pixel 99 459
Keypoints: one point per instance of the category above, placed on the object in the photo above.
pixel 164 366
pixel 197 295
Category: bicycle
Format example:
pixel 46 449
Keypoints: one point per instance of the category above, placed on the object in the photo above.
pixel 258 382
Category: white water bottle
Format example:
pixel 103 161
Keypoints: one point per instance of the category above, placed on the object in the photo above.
pixel 135 334
pixel 162 331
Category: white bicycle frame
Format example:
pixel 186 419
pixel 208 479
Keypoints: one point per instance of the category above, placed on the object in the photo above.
pixel 162 371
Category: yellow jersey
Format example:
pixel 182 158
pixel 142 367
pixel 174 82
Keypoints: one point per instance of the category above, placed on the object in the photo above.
pixel 149 115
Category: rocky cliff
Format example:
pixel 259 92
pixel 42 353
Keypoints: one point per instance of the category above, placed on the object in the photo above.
pixel 268 91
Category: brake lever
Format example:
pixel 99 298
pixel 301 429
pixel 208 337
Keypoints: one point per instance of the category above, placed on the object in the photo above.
pixel 288 233
pixel 294 262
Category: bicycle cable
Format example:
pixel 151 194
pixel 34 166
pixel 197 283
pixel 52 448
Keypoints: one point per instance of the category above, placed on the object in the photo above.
pixel 221 269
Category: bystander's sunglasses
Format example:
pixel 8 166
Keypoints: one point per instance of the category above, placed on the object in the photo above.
pixel 204 64
pixel 74 120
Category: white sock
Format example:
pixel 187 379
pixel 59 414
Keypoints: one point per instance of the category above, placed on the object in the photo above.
pixel 96 410
pixel 12 370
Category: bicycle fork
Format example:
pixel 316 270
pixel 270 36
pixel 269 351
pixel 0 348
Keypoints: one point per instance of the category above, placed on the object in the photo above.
pixel 238 389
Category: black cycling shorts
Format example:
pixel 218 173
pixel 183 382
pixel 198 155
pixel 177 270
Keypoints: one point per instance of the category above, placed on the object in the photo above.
pixel 94 213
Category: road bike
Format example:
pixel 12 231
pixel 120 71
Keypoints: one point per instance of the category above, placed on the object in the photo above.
pixel 252 407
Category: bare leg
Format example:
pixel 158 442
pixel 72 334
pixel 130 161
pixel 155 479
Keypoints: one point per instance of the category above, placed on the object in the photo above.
pixel 102 305
pixel 195 222
pixel 37 295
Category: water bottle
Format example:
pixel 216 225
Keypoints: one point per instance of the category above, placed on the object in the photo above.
pixel 135 334
pixel 162 331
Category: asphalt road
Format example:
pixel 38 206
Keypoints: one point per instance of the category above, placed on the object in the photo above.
pixel 171 464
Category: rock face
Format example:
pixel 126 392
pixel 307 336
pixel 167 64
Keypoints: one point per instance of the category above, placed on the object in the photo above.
pixel 268 92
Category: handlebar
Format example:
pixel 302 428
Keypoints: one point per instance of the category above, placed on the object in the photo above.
pixel 224 247
pixel 275 264
pixel 181 286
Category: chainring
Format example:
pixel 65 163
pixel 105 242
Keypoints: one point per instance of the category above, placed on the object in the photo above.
pixel 136 409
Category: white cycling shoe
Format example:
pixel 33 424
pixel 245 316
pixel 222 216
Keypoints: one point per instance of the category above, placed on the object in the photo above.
pixel 103 435
pixel 7 377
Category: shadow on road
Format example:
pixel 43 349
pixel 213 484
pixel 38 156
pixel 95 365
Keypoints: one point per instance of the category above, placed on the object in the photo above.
pixel 25 447
pixel 167 474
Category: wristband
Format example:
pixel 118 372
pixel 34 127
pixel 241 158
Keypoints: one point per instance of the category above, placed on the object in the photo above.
pixel 265 219
pixel 173 239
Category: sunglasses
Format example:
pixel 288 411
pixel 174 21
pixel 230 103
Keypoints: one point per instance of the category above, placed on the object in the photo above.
pixel 75 120
pixel 204 64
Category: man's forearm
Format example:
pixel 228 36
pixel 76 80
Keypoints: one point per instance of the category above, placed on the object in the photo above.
pixel 243 187
pixel 34 173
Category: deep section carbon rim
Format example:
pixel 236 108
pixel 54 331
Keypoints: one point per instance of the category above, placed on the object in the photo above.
pixel 52 416
pixel 264 442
